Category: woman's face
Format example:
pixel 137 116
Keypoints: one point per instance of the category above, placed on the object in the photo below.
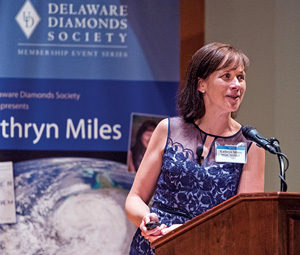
pixel 146 136
pixel 224 89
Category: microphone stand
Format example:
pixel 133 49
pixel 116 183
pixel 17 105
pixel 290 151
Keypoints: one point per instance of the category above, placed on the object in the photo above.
pixel 280 155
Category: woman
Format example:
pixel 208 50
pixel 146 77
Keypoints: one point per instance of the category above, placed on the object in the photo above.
pixel 184 184
pixel 142 139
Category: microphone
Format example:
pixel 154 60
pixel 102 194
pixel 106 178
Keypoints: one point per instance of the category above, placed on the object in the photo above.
pixel 199 152
pixel 251 134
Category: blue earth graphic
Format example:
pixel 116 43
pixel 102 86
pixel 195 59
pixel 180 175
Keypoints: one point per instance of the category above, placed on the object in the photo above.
pixel 69 206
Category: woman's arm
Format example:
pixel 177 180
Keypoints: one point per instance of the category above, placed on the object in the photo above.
pixel 145 180
pixel 253 175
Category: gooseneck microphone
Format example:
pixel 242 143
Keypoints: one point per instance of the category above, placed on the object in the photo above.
pixel 271 145
pixel 251 134
pixel 199 152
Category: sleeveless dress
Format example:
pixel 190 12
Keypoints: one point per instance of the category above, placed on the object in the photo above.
pixel 184 188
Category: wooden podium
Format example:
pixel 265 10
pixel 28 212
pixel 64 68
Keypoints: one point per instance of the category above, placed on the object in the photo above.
pixel 246 224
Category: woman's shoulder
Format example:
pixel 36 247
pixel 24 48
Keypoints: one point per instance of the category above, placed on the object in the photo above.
pixel 174 124
pixel 175 121
pixel 178 120
pixel 162 127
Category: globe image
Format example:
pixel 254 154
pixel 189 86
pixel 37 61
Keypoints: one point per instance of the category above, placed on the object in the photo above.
pixel 69 206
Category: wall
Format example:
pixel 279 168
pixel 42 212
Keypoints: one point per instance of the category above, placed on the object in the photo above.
pixel 191 31
pixel 269 33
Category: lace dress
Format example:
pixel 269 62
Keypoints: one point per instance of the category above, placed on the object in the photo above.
pixel 185 189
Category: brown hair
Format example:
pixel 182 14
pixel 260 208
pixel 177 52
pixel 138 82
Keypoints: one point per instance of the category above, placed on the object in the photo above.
pixel 204 62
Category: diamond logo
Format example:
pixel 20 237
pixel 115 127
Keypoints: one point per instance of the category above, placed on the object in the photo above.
pixel 28 18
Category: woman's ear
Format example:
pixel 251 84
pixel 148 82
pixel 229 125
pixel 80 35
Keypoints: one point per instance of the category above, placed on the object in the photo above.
pixel 201 86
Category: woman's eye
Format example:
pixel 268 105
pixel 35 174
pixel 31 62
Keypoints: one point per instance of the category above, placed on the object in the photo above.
pixel 241 77
pixel 226 76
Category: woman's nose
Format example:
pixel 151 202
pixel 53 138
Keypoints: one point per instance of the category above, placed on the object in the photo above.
pixel 235 83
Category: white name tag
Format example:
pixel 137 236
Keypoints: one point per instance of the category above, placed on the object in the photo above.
pixel 231 154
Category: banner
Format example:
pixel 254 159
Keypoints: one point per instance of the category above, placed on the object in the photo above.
pixel 74 75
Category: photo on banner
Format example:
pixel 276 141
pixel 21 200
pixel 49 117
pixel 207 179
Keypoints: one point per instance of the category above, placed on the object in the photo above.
pixel 141 130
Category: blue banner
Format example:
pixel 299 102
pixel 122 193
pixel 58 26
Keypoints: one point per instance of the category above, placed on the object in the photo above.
pixel 73 72
pixel 43 114
pixel 79 82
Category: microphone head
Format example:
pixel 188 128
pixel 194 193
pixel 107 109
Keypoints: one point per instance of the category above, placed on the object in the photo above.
pixel 246 130
pixel 199 150
pixel 251 134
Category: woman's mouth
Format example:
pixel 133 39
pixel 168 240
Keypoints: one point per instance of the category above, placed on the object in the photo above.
pixel 234 97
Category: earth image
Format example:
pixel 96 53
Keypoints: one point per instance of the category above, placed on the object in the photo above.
pixel 69 206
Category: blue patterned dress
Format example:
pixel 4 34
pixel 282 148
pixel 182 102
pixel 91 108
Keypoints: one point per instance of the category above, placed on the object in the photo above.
pixel 184 188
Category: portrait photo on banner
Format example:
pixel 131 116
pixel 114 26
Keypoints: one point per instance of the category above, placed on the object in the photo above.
pixel 141 128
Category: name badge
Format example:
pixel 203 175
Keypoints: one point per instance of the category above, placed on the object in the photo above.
pixel 231 153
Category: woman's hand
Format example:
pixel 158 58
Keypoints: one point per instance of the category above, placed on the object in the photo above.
pixel 170 229
pixel 154 234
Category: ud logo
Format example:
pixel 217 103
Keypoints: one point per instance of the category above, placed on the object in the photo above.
pixel 28 18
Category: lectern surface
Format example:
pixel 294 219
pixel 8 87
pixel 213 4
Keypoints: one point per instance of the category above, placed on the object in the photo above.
pixel 246 224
